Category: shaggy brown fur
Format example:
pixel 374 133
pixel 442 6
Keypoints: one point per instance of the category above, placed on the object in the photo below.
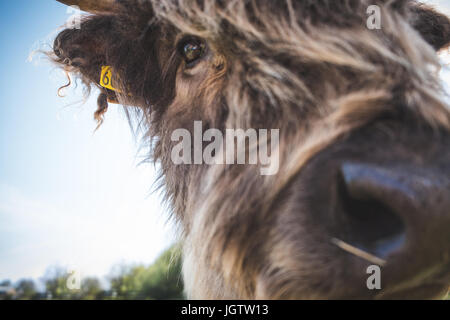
pixel 311 69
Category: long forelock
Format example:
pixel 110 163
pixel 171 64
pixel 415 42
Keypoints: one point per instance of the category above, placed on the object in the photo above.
pixel 331 37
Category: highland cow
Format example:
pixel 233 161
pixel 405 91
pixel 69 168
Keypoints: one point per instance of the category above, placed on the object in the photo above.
pixel 364 148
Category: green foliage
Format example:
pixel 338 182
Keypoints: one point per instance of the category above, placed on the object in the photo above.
pixel 56 288
pixel 56 284
pixel 91 289
pixel 161 280
pixel 26 290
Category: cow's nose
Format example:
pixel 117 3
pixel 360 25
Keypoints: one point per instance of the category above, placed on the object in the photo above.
pixel 394 210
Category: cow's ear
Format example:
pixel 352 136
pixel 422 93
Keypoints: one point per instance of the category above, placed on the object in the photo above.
pixel 82 51
pixel 432 25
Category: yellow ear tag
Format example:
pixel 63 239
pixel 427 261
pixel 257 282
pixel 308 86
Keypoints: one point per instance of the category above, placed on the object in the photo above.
pixel 106 78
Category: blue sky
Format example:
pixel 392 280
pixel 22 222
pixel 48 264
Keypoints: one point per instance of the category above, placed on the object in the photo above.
pixel 68 197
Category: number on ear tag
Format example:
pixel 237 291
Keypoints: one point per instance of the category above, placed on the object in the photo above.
pixel 106 78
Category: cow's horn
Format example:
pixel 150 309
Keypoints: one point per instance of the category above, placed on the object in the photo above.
pixel 91 5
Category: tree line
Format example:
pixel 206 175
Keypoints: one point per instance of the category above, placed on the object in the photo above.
pixel 160 280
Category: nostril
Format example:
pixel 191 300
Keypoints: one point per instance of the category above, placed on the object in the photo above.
pixel 371 223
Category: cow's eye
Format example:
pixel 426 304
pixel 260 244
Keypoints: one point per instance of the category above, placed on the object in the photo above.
pixel 192 49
